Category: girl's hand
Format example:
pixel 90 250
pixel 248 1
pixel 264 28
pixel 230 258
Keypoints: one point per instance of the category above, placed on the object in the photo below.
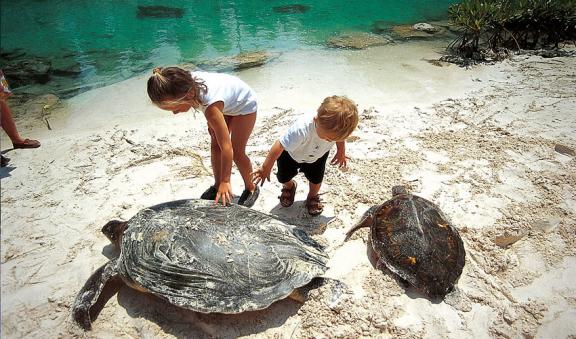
pixel 224 192
pixel 260 175
pixel 340 159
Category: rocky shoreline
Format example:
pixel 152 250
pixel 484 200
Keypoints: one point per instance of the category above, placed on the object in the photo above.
pixel 62 75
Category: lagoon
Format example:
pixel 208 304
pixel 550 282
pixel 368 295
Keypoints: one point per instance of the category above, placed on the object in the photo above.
pixel 108 41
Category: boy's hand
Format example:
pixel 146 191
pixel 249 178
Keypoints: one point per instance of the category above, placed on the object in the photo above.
pixel 340 159
pixel 260 175
pixel 224 192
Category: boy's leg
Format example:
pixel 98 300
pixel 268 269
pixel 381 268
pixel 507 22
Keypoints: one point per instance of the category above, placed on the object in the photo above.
pixel 289 185
pixel 288 193
pixel 314 172
pixel 314 189
pixel 240 128
pixel 287 169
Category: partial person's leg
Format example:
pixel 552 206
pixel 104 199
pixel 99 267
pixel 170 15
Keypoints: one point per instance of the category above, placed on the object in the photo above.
pixel 8 124
pixel 241 127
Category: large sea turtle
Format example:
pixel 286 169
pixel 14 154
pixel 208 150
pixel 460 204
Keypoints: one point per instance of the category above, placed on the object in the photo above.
pixel 413 239
pixel 204 257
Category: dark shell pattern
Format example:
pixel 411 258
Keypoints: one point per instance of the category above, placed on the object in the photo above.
pixel 210 258
pixel 415 240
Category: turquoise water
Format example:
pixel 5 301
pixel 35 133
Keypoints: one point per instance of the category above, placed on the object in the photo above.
pixel 107 41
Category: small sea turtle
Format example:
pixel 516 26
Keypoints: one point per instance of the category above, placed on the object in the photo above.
pixel 413 239
pixel 204 257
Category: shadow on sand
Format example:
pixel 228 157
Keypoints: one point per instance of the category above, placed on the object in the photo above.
pixel 5 171
pixel 298 216
pixel 7 168
pixel 183 323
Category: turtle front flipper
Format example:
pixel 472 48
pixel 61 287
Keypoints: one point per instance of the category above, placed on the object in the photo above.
pixel 366 221
pixel 100 287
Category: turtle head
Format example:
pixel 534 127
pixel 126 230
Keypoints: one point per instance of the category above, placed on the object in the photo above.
pixel 397 190
pixel 113 230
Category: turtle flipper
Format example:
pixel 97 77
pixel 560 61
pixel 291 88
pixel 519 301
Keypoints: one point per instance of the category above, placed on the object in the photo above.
pixel 101 285
pixel 366 221
pixel 337 289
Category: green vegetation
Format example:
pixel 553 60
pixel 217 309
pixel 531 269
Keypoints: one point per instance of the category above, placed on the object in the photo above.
pixel 511 24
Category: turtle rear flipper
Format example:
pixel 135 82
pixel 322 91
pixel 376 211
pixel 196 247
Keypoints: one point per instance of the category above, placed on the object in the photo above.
pixel 100 287
pixel 337 289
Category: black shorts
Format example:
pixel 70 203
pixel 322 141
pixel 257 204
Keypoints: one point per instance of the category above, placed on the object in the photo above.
pixel 288 168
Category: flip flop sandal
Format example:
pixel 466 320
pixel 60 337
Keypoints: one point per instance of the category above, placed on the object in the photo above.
pixel 249 198
pixel 209 194
pixel 27 143
pixel 314 205
pixel 287 196
pixel 5 161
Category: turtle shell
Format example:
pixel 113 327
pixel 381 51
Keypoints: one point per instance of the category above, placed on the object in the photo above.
pixel 209 258
pixel 414 239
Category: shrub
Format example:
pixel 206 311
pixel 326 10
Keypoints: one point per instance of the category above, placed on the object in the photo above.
pixel 513 24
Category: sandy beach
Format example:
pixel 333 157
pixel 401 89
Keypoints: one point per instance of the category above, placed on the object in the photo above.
pixel 482 143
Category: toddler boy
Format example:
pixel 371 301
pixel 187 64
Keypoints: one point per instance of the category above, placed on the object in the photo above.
pixel 305 147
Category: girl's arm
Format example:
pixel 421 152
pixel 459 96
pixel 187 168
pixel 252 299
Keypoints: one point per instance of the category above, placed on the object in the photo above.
pixel 216 121
pixel 261 174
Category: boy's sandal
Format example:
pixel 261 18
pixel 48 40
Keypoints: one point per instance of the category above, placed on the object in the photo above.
pixel 314 205
pixel 287 195
pixel 27 143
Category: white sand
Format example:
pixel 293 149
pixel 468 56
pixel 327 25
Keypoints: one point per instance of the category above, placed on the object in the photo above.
pixel 478 142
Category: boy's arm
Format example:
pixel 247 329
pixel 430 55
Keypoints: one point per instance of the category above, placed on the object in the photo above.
pixel 261 174
pixel 340 158
pixel 341 147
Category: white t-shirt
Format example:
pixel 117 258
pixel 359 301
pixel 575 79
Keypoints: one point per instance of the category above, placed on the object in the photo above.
pixel 302 142
pixel 238 97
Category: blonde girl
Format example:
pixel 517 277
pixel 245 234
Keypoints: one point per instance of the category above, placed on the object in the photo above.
pixel 229 106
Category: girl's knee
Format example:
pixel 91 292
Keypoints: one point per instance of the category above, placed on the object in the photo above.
pixel 240 156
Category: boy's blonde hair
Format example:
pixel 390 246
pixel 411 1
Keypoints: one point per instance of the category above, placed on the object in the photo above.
pixel 339 115
pixel 174 85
